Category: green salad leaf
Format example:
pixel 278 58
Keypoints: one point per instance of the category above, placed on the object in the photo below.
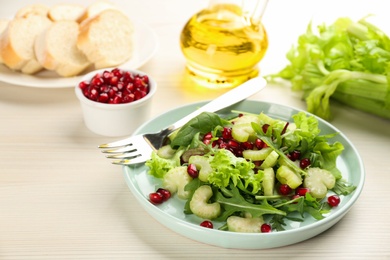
pixel 159 166
pixel 347 61
pixel 229 168
pixel 237 204
pixel 203 123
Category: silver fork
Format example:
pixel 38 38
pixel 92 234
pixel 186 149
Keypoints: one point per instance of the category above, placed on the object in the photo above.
pixel 138 148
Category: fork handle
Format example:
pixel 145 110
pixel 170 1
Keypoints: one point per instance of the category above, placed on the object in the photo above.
pixel 229 98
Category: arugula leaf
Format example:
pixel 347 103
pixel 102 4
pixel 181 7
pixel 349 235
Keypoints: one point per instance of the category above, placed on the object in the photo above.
pixel 237 204
pixel 203 123
pixel 307 204
pixel 277 222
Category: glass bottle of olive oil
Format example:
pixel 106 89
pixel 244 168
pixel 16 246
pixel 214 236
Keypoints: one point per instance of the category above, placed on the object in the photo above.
pixel 223 45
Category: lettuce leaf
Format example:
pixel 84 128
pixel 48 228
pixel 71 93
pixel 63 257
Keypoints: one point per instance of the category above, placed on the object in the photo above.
pixel 229 168
pixel 346 60
pixel 159 166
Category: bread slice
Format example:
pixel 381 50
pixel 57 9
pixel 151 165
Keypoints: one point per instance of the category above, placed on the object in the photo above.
pixel 96 8
pixel 107 38
pixel 17 42
pixel 56 49
pixel 72 12
pixel 3 26
pixel 32 9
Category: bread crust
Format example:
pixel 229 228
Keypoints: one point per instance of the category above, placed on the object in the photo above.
pixel 72 12
pixel 66 60
pixel 12 56
pixel 97 49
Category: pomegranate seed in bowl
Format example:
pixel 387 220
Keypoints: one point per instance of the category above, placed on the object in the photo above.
pixel 115 87
pixel 115 101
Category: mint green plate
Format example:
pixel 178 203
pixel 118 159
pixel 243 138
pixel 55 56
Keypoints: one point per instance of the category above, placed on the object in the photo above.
pixel 171 215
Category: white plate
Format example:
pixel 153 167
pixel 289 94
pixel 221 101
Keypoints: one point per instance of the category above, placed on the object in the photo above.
pixel 170 213
pixel 145 46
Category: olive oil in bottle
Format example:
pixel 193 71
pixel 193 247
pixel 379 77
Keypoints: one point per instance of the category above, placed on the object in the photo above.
pixel 223 46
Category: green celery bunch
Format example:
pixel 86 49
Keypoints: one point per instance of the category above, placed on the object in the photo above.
pixel 347 61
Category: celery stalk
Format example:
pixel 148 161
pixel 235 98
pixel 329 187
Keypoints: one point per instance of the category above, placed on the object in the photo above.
pixel 348 61
pixel 364 104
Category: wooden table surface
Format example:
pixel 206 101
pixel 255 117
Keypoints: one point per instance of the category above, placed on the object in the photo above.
pixel 61 199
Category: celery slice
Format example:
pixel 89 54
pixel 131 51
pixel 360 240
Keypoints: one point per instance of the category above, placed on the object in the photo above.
pixel 270 161
pixel 268 182
pixel 202 163
pixel 257 155
pixel 285 175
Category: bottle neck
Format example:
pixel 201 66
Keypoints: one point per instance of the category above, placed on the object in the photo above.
pixel 252 9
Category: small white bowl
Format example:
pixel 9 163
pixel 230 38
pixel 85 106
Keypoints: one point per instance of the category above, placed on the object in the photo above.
pixel 115 119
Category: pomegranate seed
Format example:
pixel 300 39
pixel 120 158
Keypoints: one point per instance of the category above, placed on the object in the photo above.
pixel 207 138
pixel 238 152
pixel 192 171
pixel 265 128
pixel 284 189
pixel 94 94
pixel 139 94
pixel 304 163
pixel 138 83
pixel 128 98
pixel 166 194
pixel 301 191
pixel 227 133
pixel 247 145
pixel 114 80
pixel 233 144
pixel 83 85
pixel 259 144
pixel 106 76
pixel 296 196
pixel 130 87
pixel 294 155
pixel 223 145
pixel 145 79
pixel 334 200
pixel 111 93
pixel 127 77
pixel 120 85
pixel 207 224
pixel 97 81
pixel 258 163
pixel 117 72
pixel 103 98
pixel 265 228
pixel 156 198
pixel 104 89
pixel 117 100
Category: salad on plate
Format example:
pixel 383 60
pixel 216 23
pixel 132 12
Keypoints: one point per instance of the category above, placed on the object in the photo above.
pixel 250 172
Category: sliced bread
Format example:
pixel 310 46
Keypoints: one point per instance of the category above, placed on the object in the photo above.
pixel 72 12
pixel 32 9
pixel 17 42
pixel 96 8
pixel 107 38
pixel 56 49
pixel 3 26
